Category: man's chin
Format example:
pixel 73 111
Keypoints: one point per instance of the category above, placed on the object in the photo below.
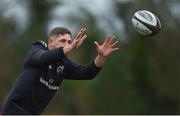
pixel 59 47
pixel 56 47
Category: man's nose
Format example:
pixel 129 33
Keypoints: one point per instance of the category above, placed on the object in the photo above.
pixel 66 43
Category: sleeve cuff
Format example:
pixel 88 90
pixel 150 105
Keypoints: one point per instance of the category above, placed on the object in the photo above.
pixel 93 64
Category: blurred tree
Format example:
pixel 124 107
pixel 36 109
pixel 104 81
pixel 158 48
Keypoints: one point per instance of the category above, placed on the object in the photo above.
pixel 7 31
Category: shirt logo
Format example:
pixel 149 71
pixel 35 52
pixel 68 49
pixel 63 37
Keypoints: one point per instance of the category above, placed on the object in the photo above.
pixel 60 69
pixel 48 84
pixel 51 81
pixel 50 66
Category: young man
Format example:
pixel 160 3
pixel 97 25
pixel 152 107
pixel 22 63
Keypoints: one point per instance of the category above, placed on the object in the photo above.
pixel 46 66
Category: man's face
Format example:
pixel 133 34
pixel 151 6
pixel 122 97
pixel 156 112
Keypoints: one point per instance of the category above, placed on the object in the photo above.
pixel 59 41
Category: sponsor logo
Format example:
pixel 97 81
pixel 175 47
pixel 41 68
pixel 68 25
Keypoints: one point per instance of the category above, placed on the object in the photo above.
pixel 51 81
pixel 50 66
pixel 47 84
pixel 60 69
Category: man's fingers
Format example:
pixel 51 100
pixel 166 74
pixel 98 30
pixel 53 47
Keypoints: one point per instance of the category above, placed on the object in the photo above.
pixel 115 49
pixel 112 39
pixel 75 42
pixel 115 43
pixel 96 43
pixel 81 33
pixel 82 40
pixel 107 39
pixel 81 30
pixel 84 37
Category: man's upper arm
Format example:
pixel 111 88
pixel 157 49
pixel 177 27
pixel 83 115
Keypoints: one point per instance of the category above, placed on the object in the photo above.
pixel 38 56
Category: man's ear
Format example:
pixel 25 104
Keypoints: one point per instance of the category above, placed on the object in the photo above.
pixel 50 40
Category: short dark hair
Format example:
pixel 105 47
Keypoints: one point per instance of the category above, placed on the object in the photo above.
pixel 59 30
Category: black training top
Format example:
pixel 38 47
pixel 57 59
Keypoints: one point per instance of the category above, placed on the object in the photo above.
pixel 41 77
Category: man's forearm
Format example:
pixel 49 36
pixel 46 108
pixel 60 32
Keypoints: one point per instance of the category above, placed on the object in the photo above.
pixel 99 61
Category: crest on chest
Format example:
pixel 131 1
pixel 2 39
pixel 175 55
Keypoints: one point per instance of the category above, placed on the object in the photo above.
pixel 59 69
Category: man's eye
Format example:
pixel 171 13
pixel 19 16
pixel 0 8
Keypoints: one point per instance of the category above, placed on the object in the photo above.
pixel 69 42
pixel 62 41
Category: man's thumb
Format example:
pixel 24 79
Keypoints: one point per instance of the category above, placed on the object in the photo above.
pixel 96 43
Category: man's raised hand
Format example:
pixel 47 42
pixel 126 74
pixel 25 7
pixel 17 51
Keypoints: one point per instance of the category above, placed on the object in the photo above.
pixel 79 39
pixel 107 47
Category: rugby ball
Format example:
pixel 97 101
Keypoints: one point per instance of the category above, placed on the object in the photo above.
pixel 146 23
